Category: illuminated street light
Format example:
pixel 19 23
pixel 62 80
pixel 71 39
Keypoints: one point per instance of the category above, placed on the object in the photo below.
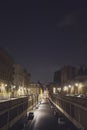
pixel 69 86
pixel 76 88
pixel 65 88
pixel 76 84
pixel 59 89
pixel 20 91
pixel 5 85
pixel 14 86
pixel 54 90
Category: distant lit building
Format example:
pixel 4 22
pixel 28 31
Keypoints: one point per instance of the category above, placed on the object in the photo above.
pixel 35 90
pixel 6 72
pixel 57 77
pixel 21 79
pixel 81 79
pixel 70 80
pixel 78 84
pixel 67 74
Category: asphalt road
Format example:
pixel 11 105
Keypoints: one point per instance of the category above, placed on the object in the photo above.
pixel 44 119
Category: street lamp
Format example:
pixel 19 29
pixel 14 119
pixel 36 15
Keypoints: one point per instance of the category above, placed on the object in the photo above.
pixel 54 90
pixel 69 89
pixel 59 89
pixel 69 86
pixel 65 89
pixel 76 88
pixel 76 84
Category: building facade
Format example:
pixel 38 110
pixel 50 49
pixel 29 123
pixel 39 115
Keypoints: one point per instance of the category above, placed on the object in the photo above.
pixel 67 74
pixel 21 80
pixel 57 77
pixel 6 73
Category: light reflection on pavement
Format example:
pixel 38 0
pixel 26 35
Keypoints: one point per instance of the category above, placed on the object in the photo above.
pixel 43 119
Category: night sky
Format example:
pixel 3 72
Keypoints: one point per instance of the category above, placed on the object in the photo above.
pixel 44 35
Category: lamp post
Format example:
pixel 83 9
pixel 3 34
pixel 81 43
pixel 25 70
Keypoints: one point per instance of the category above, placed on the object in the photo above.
pixel 76 88
pixel 69 89
pixel 12 91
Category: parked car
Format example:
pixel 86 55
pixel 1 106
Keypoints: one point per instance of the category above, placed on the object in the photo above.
pixel 61 121
pixel 82 96
pixel 30 115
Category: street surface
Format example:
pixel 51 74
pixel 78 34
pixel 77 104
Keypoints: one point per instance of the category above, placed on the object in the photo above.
pixel 44 119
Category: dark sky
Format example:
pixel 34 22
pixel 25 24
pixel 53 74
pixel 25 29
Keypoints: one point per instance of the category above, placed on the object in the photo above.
pixel 44 35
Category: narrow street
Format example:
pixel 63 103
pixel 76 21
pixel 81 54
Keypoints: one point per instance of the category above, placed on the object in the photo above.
pixel 44 119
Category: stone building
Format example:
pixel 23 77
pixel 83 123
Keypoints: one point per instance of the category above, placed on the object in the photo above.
pixel 21 79
pixel 67 74
pixel 57 77
pixel 6 73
